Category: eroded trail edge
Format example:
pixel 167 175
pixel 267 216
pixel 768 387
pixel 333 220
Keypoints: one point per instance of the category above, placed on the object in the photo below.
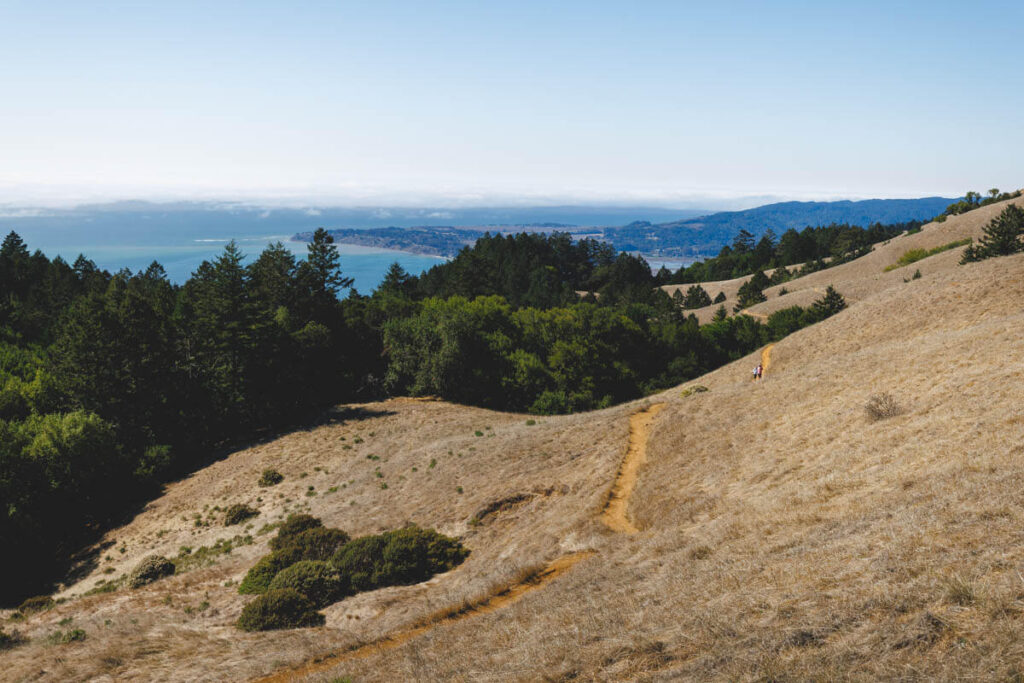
pixel 616 512
pixel 614 515
pixel 766 356
pixel 503 598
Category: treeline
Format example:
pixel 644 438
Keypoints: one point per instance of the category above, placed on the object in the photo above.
pixel 838 242
pixel 111 384
pixel 974 200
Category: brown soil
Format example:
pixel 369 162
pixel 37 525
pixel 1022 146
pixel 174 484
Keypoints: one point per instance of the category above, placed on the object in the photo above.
pixel 616 513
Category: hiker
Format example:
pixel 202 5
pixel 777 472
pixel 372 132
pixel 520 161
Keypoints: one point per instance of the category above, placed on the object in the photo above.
pixel 758 371
pixel 755 372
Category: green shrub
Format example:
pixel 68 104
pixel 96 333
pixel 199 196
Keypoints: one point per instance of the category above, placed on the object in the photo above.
pixel 695 389
pixel 318 581
pixel 270 478
pixel 359 560
pixel 151 569
pixel 40 603
pixel 319 543
pixel 257 579
pixel 277 609
pixel 399 557
pixel 238 513
pixel 915 255
pixel 12 639
pixel 294 525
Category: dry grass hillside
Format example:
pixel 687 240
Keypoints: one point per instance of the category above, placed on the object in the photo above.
pixel 769 531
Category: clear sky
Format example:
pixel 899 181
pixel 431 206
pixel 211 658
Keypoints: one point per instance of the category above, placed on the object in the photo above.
pixel 448 102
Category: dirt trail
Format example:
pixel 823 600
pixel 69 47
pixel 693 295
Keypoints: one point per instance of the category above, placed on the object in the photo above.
pixel 615 515
pixel 766 356
pixel 492 603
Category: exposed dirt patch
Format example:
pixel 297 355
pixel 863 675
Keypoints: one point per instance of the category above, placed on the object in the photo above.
pixel 615 515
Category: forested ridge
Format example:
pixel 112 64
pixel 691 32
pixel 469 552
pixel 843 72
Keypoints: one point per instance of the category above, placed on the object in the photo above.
pixel 111 384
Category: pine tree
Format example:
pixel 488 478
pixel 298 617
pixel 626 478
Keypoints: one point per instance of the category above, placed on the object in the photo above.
pixel 720 298
pixel 1002 236
pixel 828 305
pixel 696 297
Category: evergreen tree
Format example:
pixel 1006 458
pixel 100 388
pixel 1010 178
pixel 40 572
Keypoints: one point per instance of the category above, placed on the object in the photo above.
pixel 828 305
pixel 1002 236
pixel 719 298
pixel 696 297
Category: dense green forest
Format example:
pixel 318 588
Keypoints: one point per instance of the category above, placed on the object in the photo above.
pixel 111 384
pixel 810 247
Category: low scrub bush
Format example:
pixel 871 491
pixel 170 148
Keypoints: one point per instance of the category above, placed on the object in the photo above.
pixel 277 609
pixel 40 603
pixel 399 557
pixel 915 255
pixel 318 581
pixel 12 639
pixel 151 569
pixel 316 544
pixel 882 406
pixel 294 525
pixel 695 389
pixel 238 513
pixel 270 477
pixel 257 579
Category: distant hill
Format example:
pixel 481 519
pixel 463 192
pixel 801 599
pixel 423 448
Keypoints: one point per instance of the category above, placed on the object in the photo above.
pixel 706 234
pixel 687 237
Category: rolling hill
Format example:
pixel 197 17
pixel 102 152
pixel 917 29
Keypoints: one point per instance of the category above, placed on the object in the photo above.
pixel 769 531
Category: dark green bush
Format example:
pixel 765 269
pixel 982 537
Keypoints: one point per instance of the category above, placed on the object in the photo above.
pixel 238 513
pixel 12 639
pixel 399 557
pixel 149 570
pixel 270 478
pixel 258 579
pixel 359 562
pixel 276 609
pixel 315 544
pixel 318 581
pixel 40 603
pixel 294 525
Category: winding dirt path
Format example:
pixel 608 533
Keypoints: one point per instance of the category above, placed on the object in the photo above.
pixel 615 515
pixel 766 356
pixel 491 603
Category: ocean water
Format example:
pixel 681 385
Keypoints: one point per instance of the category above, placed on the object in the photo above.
pixel 180 236
pixel 181 255
pixel 366 265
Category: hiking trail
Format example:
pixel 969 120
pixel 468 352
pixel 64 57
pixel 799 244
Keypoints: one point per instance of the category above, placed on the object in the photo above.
pixel 766 356
pixel 503 598
pixel 614 515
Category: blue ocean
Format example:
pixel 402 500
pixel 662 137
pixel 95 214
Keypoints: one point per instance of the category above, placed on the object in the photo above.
pixel 180 236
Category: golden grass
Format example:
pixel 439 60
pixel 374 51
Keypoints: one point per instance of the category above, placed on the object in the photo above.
pixel 784 534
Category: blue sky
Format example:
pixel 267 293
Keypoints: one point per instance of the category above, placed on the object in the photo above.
pixel 484 102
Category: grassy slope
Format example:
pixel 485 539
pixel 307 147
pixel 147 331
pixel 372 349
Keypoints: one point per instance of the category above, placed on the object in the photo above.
pixel 783 534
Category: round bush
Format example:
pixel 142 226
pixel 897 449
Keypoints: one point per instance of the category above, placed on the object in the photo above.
pixel 316 544
pixel 318 581
pixel 270 478
pixel 399 557
pixel 276 609
pixel 294 525
pixel 258 579
pixel 151 569
pixel 359 562
pixel 40 603
pixel 238 513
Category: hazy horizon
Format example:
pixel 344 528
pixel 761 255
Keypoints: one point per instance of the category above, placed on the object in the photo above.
pixel 457 104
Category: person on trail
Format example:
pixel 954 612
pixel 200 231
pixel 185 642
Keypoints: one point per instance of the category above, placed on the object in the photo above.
pixel 755 372
pixel 758 371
